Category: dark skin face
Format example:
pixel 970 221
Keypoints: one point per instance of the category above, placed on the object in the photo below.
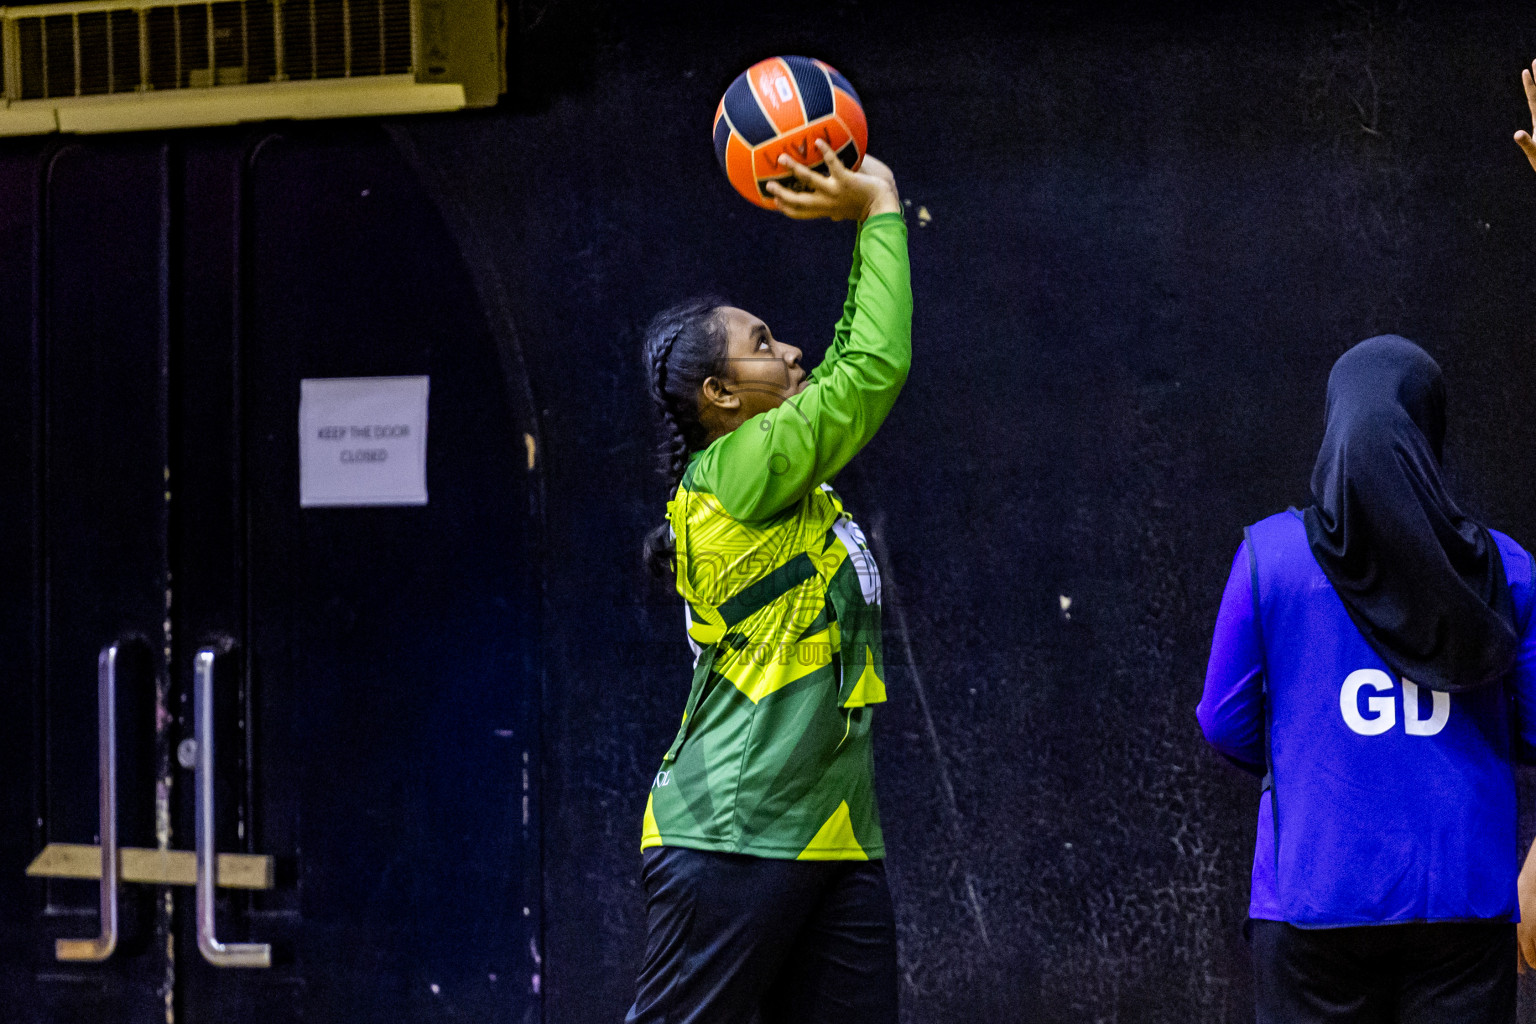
pixel 761 372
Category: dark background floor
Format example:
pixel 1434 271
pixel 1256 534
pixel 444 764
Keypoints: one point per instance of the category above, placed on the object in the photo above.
pixel 1151 233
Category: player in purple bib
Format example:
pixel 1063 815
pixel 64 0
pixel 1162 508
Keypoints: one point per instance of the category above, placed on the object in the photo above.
pixel 1374 660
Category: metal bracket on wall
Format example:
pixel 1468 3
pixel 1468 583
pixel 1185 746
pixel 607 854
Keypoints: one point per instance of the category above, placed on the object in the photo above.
pixel 153 867
pixel 220 954
pixel 100 948
pixel 111 864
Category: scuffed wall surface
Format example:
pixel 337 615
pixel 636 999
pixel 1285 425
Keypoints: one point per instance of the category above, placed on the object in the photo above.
pixel 1149 234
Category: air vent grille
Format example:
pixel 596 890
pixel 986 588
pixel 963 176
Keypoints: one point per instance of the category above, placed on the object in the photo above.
pixel 102 48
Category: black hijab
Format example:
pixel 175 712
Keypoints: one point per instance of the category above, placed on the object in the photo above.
pixel 1424 583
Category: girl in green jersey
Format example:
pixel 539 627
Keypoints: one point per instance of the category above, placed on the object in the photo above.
pixel 763 856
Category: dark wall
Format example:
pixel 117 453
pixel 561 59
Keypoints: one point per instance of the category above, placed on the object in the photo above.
pixel 1151 234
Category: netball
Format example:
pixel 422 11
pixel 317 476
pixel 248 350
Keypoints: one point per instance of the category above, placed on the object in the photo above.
pixel 784 105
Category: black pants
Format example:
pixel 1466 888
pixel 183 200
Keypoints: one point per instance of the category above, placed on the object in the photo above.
pixel 741 940
pixel 1409 973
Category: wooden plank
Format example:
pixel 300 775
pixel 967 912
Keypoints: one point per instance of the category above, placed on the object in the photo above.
pixel 155 867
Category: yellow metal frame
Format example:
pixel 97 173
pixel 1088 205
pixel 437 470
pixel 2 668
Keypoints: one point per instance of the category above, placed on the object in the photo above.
pixel 91 6
pixel 155 867
pixel 379 96
pixel 217 104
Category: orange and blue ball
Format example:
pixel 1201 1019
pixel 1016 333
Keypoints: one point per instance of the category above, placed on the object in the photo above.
pixel 783 105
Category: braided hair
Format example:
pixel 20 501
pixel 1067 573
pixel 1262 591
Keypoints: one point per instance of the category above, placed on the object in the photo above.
pixel 684 347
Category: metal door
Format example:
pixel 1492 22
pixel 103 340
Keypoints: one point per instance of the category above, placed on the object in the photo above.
pixel 339 703
pixel 83 328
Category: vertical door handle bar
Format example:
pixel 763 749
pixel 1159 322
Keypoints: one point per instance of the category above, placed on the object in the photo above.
pixel 220 954
pixel 100 948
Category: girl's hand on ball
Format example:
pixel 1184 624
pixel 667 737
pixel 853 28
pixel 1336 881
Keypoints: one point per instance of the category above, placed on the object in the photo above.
pixel 878 169
pixel 840 194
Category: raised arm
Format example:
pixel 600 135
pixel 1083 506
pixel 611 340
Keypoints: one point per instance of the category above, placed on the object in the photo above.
pixel 773 460
pixel 844 328
pixel 1523 137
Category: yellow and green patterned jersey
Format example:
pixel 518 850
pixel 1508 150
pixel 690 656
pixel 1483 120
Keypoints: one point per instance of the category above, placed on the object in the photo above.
pixel 782 596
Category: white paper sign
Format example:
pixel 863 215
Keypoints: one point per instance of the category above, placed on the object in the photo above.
pixel 363 441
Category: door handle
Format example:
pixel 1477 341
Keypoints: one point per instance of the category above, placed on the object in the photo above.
pixel 100 948
pixel 220 954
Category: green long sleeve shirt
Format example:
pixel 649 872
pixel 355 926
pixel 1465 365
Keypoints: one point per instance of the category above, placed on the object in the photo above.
pixel 773 755
pixel 773 460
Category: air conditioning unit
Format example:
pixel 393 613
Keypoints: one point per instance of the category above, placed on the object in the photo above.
pixel 126 65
